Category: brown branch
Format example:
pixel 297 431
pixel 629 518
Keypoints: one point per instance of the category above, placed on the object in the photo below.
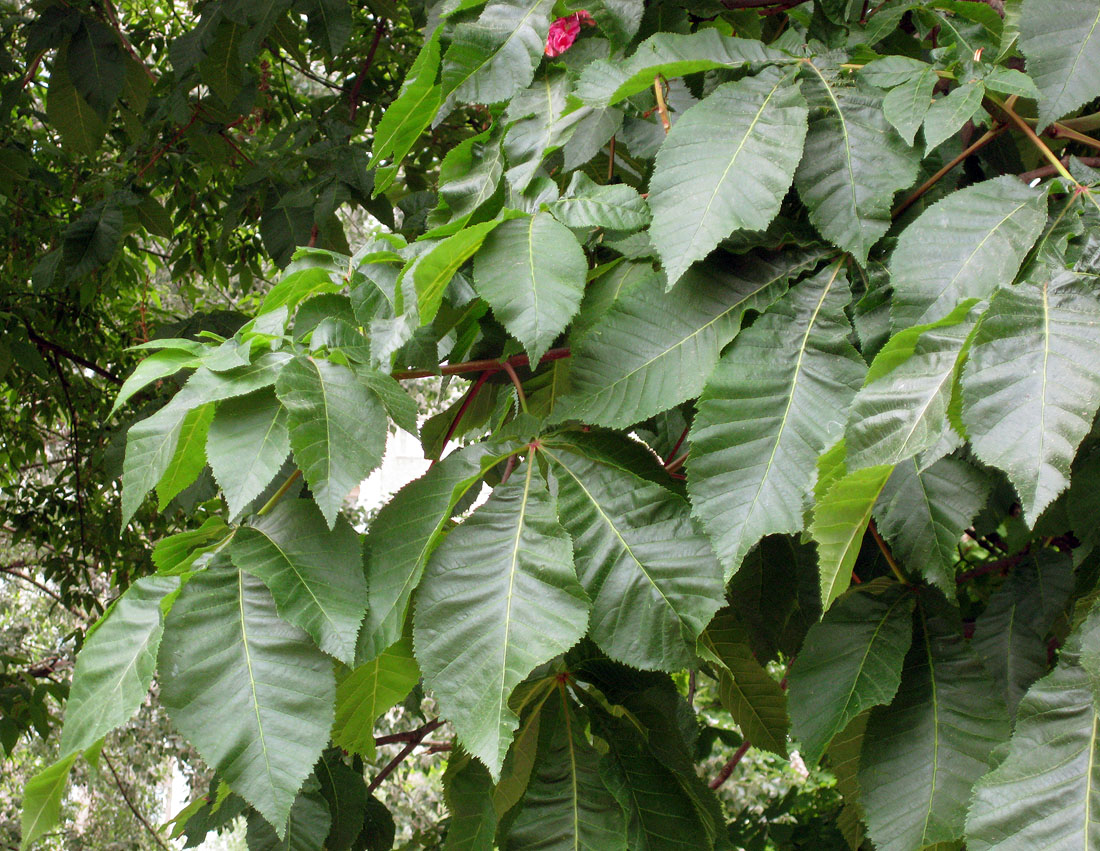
pixel 511 370
pixel 160 152
pixel 12 570
pixel 236 147
pixel 886 554
pixel 32 69
pixel 1002 565
pixel 978 144
pixel 676 463
pixel 353 98
pixel 761 4
pixel 43 343
pixel 728 768
pixel 137 813
pixel 421 733
pixel 462 412
pixel 112 19
pixel 409 735
pixel 1060 131
pixel 1046 171
pixel 478 365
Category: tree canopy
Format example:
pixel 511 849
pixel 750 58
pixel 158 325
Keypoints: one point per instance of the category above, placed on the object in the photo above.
pixel 775 331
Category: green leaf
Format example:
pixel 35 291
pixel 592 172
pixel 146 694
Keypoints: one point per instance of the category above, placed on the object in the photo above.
pixel 963 246
pixel 1034 354
pixel 850 661
pixel 330 22
pixel 368 692
pixel 539 125
pixel 408 115
pixel 315 574
pixel 96 65
pixel 947 115
pixel 532 273
pixel 337 428
pixel 726 165
pixel 221 68
pixel 498 598
pixel 1046 793
pixel 1010 635
pixel 247 445
pixel 305 830
pixel 76 120
pixel 158 365
pixel 902 408
pixel 1061 40
pixel 345 791
pixel 406 531
pixel 840 518
pixel 906 105
pixel 189 456
pixel 747 691
pixel 923 754
pixel 42 800
pixel 469 176
pixel 488 61
pixel 853 165
pixel 619 19
pixel 401 407
pixel 923 512
pixel 176 553
pixel 636 551
pixel 151 443
pixel 435 269
pixel 604 82
pixel 775 402
pixel 227 655
pixel 567 806
pixel 654 349
pixel 467 789
pixel 115 666
pixel 587 205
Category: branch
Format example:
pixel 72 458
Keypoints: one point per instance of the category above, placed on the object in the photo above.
pixel 137 813
pixel 11 570
pixel 461 412
pixel 728 768
pixel 760 4
pixel 1046 171
pixel 353 98
pixel 981 142
pixel 420 733
pixel 492 364
pixel 43 343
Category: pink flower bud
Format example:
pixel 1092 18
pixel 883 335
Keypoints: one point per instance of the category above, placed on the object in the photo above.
pixel 564 31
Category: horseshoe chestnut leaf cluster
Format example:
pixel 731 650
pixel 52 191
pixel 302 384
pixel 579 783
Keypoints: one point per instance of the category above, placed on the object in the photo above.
pixel 777 329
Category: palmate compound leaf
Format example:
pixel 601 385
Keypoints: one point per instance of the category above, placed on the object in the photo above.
pixel 1031 385
pixel 151 443
pixel 746 690
pixel 337 428
pixel 635 551
pixel 532 273
pixel 365 694
pixel 246 445
pixel 1010 635
pixel 499 597
pixel 405 532
pixel 1061 40
pixel 726 165
pixel 567 806
pixel 315 574
pixel 854 163
pixel 227 655
pixel 115 667
pixel 778 398
pixel 923 513
pixel 1046 793
pixel 963 246
pixel 850 661
pixel 923 753
pixel 654 349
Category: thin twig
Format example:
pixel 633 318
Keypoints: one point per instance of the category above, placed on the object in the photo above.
pixel 611 159
pixel 353 98
pixel 728 768
pixel 407 736
pixel 493 364
pixel 18 574
pixel 477 385
pixel 1060 131
pixel 978 144
pixel 43 343
pixel 679 443
pixel 676 463
pixel 163 149
pixel 404 752
pixel 662 107
pixel 1039 144
pixel 137 813
pixel 1046 171
pixel 886 553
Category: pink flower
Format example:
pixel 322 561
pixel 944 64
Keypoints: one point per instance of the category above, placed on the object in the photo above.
pixel 564 31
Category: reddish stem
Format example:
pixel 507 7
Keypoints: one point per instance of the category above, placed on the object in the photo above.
pixel 462 411
pixel 728 768
pixel 493 364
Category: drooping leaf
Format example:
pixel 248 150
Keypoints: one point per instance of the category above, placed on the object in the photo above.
pixel 635 551
pixel 850 661
pixel 1046 793
pixel 1061 40
pixel 567 806
pixel 247 444
pixel 189 455
pixel 604 83
pixel 492 58
pixel 226 654
pixel 1010 635
pixel 538 125
pixel 368 692
pixel 963 246
pixel 42 800
pixel 653 349
pixel 532 273
pixel 337 428
pixel 176 553
pixel 315 574
pixel 405 532
pixel 1031 385
pixel 96 65
pixel 76 120
pixel 467 789
pixel 725 166
pixel 345 792
pixel 115 667
pixel 854 163
pixel 435 269
pixel 923 513
pixel 499 597
pixel 756 701
pixel 158 365
pixel 923 753
pixel 775 402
